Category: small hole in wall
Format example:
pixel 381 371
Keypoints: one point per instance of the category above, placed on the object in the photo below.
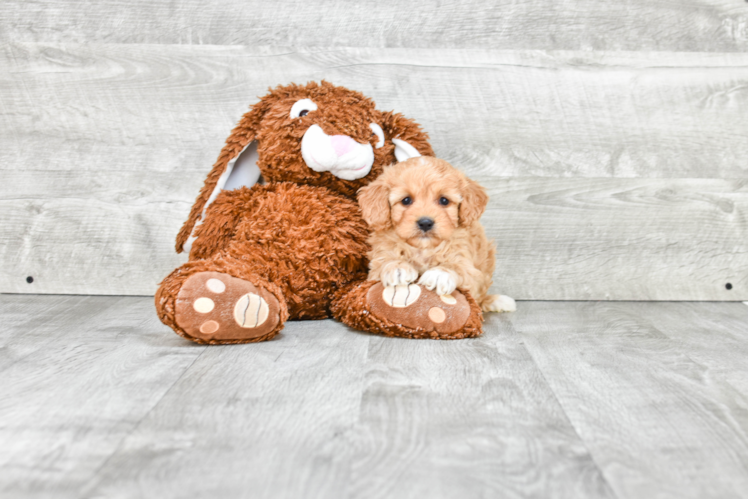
pixel 29 279
pixel 729 285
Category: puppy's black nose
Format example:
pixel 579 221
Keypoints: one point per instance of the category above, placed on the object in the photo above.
pixel 425 224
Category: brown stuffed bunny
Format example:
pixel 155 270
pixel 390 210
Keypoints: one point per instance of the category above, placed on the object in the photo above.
pixel 276 233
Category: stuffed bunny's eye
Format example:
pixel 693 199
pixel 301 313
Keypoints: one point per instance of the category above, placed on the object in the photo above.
pixel 302 108
pixel 379 133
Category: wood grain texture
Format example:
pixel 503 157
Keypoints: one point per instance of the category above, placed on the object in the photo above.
pixel 619 239
pixel 467 419
pixel 259 420
pixel 506 113
pixel 102 233
pixel 722 351
pixel 103 149
pixel 662 413
pixel 625 399
pixel 557 239
pixel 38 319
pixel 697 25
pixel 326 412
pixel 78 376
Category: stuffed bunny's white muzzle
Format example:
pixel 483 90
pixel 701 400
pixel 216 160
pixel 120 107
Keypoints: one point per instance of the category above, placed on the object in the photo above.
pixel 338 154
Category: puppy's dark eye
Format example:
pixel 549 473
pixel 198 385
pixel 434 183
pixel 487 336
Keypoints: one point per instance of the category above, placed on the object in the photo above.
pixel 443 201
pixel 304 112
pixel 407 201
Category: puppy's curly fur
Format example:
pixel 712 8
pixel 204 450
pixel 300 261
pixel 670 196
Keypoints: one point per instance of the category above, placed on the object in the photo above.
pixel 424 216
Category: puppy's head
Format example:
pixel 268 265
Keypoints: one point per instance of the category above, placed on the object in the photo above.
pixel 423 200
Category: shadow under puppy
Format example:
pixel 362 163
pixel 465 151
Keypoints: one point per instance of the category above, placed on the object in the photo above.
pixel 424 217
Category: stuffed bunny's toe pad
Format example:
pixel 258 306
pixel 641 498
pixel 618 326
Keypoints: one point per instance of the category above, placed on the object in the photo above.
pixel 214 306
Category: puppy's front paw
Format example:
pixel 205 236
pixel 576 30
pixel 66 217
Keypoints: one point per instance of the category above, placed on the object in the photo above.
pixel 444 282
pixel 398 273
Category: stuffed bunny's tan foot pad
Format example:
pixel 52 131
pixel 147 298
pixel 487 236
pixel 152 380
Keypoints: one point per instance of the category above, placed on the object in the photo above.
pixel 416 307
pixel 217 306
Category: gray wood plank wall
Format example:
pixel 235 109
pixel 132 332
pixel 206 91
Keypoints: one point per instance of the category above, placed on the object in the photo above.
pixel 664 25
pixel 611 135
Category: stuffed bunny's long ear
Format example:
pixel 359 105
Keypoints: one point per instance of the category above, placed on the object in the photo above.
pixel 409 139
pixel 236 167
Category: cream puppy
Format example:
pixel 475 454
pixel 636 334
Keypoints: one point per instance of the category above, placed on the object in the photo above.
pixel 424 218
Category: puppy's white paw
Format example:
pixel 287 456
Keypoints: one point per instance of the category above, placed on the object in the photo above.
pixel 499 303
pixel 441 280
pixel 398 273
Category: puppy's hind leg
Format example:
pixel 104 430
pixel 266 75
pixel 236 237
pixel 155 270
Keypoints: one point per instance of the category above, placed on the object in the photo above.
pixel 498 303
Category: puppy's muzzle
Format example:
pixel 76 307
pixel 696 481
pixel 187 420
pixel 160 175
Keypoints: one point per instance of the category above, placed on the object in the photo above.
pixel 425 224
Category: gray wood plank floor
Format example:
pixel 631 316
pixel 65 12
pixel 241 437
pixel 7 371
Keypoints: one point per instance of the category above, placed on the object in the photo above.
pixel 560 399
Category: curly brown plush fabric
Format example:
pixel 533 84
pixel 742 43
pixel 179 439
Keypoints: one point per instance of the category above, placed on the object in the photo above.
pixel 295 247
pixel 167 294
pixel 307 239
pixel 341 111
pixel 354 308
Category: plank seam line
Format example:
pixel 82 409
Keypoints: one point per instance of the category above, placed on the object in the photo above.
pixel 356 426
pixel 95 479
pixel 355 429
pixel 561 406
pixel 39 326
pixel 491 66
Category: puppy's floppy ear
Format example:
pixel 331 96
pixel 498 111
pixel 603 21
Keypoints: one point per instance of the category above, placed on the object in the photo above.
pixel 409 139
pixel 236 166
pixel 375 205
pixel 474 201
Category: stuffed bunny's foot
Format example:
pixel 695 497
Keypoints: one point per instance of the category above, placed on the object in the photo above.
pixel 409 311
pixel 216 308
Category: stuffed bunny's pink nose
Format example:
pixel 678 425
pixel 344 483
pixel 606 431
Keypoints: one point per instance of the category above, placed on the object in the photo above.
pixel 342 144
